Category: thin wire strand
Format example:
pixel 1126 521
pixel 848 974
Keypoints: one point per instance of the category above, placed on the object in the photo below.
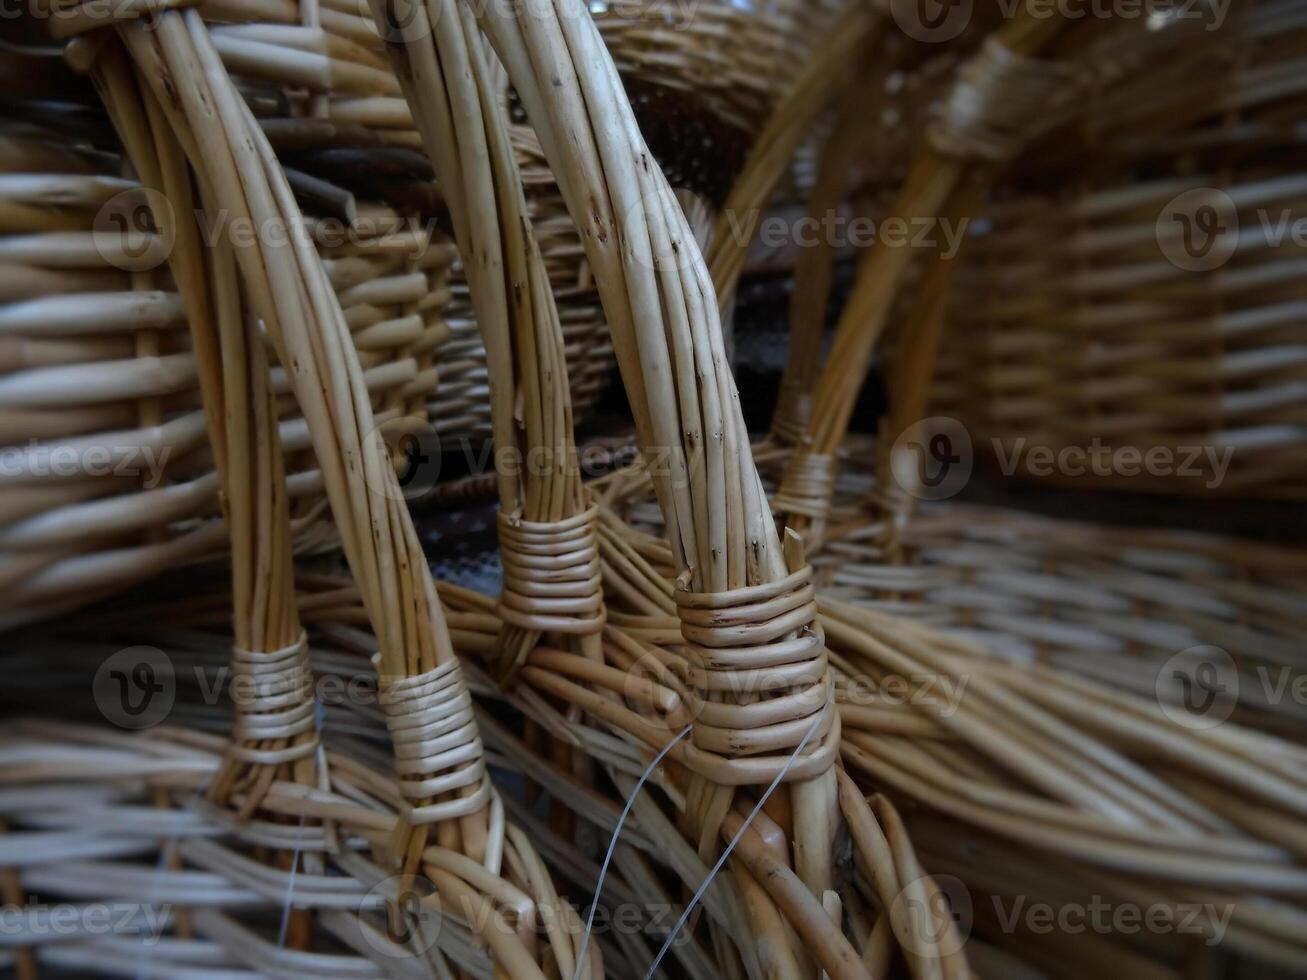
pixel 612 846
pixel 290 884
pixel 694 900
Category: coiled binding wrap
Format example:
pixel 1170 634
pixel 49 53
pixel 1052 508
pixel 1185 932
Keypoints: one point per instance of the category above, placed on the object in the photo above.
pixel 1000 100
pixel 437 746
pixel 761 642
pixel 273 692
pixel 789 424
pixel 807 485
pixel 552 581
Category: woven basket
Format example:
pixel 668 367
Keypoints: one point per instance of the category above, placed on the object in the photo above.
pixel 327 97
pixel 1133 288
pixel 928 717
pixel 1112 603
pixel 1076 332
pixel 110 476
pixel 734 575
pixel 1027 833
pixel 186 127
pixel 734 61
pixel 1037 784
pixel 165 885
pixel 1138 599
pixel 956 767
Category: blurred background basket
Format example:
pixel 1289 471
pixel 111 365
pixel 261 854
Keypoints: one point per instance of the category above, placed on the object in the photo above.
pixel 1136 283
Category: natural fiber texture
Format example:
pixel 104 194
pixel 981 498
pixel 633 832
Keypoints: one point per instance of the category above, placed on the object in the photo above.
pixel 1144 304
pixel 730 644
pixel 1064 788
pixel 277 690
pixel 461 406
pixel 102 377
pixel 276 727
pixel 699 703
pixel 207 869
pixel 435 741
pixel 546 523
pixel 437 748
pixel 551 574
pixel 807 485
pixel 1124 802
pixel 54 667
pixel 1114 350
pixel 734 61
pixel 978 124
pixel 1112 603
pixel 1045 768
pixel 663 313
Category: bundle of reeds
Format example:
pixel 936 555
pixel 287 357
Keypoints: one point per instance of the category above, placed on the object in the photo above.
pixel 188 132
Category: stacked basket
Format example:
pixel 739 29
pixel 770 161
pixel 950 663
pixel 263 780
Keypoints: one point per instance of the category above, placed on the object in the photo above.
pixel 864 736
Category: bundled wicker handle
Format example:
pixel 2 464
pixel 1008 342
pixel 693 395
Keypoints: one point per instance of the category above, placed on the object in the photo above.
pixel 743 605
pixel 439 754
pixel 547 528
pixel 1000 99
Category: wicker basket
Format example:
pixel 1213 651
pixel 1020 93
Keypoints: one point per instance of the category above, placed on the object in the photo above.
pixel 735 61
pixel 1128 308
pixel 934 718
pixel 1078 333
pixel 1113 603
pixel 1037 783
pixel 1040 839
pixel 189 131
pixel 110 477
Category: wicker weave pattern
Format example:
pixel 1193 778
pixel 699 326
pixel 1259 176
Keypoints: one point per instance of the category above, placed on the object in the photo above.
pixel 736 60
pixel 1151 302
pixel 1073 327
pixel 108 477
